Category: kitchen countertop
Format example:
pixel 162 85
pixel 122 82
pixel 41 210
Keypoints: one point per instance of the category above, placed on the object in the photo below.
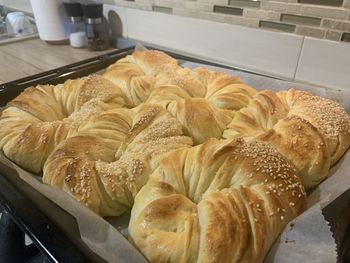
pixel 25 58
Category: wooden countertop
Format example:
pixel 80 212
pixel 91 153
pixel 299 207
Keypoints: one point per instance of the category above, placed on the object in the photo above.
pixel 25 58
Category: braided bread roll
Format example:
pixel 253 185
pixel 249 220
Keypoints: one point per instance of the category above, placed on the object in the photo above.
pixel 200 120
pixel 311 132
pixel 225 91
pixel 142 72
pixel 135 74
pixel 111 157
pixel 36 121
pixel 145 72
pixel 203 102
pixel 207 113
pixel 221 201
pixel 326 115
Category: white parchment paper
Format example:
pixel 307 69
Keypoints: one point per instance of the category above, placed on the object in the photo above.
pixel 306 239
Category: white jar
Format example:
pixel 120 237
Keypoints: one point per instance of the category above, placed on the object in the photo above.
pixel 78 39
pixel 18 24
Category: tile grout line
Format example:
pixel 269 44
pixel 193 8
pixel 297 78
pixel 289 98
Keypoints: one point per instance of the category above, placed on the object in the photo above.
pixel 299 56
pixel 126 21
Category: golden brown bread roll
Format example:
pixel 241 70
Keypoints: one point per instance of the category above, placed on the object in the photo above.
pixel 225 91
pixel 112 155
pixel 311 132
pixel 204 102
pixel 36 121
pixel 324 114
pixel 135 74
pixel 141 74
pixel 152 61
pixel 184 78
pixel 221 201
pixel 200 120
pixel 131 79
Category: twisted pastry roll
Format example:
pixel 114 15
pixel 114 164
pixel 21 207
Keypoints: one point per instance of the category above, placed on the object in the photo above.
pixel 224 91
pixel 112 155
pixel 41 117
pixel 142 73
pixel 200 120
pixel 221 201
pixel 135 74
pixel 311 132
pixel 324 114
pixel 206 114
pixel 203 102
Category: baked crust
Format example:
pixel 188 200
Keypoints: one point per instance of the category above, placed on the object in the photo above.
pixel 107 162
pixel 221 201
pixel 36 121
pixel 310 131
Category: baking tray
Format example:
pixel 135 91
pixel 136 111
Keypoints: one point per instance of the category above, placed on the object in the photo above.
pixel 53 230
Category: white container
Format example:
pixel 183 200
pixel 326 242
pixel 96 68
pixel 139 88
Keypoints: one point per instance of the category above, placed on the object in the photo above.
pixel 51 20
pixel 18 24
pixel 78 39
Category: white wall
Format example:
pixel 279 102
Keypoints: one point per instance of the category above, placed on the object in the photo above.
pixel 303 59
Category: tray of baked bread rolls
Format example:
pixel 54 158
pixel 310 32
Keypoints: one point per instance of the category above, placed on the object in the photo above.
pixel 155 160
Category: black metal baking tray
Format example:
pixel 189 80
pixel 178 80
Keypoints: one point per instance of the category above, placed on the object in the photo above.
pixel 54 231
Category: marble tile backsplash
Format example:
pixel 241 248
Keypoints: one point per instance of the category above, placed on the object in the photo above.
pixel 328 19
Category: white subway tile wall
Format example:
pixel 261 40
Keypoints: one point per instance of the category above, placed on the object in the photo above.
pixel 325 63
pixel 328 19
pixel 333 35
pixel 248 48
